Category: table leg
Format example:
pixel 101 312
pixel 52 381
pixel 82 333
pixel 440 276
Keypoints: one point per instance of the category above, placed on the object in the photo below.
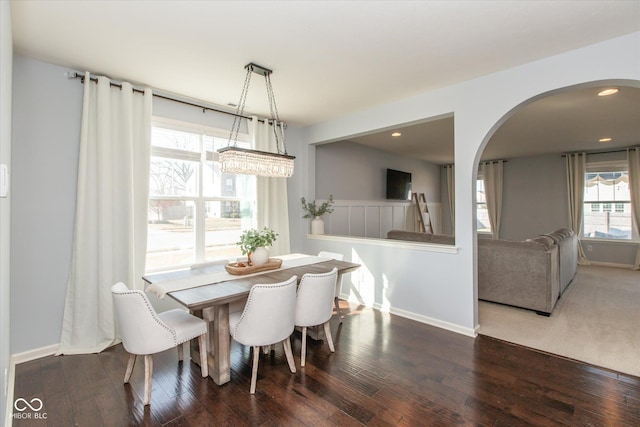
pixel 221 343
pixel 218 344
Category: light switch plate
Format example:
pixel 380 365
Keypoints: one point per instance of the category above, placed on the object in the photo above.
pixel 4 180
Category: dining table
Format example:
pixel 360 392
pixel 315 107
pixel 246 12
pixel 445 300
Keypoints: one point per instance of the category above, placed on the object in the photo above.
pixel 208 290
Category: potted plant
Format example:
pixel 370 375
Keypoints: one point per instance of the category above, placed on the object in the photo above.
pixel 312 210
pixel 253 243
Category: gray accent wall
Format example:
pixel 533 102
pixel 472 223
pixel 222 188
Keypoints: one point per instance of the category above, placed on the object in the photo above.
pixel 534 197
pixel 351 171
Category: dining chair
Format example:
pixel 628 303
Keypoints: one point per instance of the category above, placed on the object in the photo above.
pixel 145 332
pixel 314 306
pixel 336 300
pixel 267 319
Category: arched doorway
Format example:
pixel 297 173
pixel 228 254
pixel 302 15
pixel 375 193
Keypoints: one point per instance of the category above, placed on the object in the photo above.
pixel 532 138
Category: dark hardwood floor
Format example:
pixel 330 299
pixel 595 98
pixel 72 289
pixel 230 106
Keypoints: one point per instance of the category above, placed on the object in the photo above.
pixel 386 371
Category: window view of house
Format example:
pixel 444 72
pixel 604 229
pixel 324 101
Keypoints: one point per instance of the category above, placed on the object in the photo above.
pixel 607 206
pixel 482 214
pixel 196 213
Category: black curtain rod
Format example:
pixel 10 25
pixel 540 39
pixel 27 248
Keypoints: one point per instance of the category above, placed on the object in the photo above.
pixel 76 75
pixel 488 161
pixel 622 150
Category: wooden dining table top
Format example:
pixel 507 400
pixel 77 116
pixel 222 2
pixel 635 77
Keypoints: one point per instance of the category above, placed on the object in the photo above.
pixel 209 294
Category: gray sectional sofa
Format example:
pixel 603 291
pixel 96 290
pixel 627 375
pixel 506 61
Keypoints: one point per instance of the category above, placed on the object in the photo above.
pixel 531 274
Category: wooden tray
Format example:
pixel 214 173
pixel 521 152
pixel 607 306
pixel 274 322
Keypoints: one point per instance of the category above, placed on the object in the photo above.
pixel 242 267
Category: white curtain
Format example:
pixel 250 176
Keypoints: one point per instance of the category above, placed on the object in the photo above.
pixel 451 187
pixel 272 206
pixel 576 167
pixel 492 174
pixel 110 230
pixel 633 157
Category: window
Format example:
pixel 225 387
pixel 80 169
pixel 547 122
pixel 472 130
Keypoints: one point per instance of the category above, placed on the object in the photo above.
pixel 196 213
pixel 607 202
pixel 482 214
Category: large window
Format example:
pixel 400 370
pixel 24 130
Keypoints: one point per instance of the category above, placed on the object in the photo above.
pixel 196 213
pixel 482 214
pixel 607 203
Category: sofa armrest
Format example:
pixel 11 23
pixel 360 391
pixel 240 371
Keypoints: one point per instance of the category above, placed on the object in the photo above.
pixel 522 274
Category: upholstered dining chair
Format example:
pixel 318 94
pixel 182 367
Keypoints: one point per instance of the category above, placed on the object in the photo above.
pixel 336 300
pixel 314 306
pixel 145 332
pixel 267 319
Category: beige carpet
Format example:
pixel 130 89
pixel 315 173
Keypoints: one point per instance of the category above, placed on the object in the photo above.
pixel 597 320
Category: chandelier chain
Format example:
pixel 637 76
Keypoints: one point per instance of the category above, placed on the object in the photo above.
pixel 277 126
pixel 235 128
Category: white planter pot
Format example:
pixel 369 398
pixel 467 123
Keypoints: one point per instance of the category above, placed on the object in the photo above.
pixel 317 225
pixel 259 256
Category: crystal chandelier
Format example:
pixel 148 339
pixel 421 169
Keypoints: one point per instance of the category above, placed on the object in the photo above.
pixel 254 162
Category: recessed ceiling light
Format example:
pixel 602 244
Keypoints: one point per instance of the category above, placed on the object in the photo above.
pixel 608 92
pixel 604 140
pixel 396 134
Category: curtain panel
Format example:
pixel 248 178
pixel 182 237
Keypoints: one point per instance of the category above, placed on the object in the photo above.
pixel 633 158
pixel 272 206
pixel 451 192
pixel 492 175
pixel 576 168
pixel 110 230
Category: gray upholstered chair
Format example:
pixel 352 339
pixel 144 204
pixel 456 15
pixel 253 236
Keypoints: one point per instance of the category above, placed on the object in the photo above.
pixel 145 332
pixel 336 300
pixel 314 305
pixel 267 319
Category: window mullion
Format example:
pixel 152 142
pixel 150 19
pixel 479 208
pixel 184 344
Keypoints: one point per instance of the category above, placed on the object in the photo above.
pixel 200 222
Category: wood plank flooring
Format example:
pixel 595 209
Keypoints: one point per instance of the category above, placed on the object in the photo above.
pixel 386 371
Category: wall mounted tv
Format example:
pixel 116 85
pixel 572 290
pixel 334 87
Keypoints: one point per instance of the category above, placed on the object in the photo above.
pixel 398 185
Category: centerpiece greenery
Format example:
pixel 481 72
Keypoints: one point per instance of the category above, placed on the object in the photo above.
pixel 252 239
pixel 312 210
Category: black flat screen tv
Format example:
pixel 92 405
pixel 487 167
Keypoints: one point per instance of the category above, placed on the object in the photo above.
pixel 398 185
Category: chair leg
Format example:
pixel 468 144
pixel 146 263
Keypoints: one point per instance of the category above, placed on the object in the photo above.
pixel 254 370
pixel 180 352
pixel 327 333
pixel 337 304
pixel 148 371
pixel 303 353
pixel 289 354
pixel 204 360
pixel 132 361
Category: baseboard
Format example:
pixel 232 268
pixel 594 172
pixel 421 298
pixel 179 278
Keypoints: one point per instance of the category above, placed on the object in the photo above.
pixel 611 264
pixel 17 359
pixel 34 354
pixel 419 318
pixel 434 322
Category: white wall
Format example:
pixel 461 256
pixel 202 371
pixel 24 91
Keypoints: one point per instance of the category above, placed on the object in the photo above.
pixel 47 109
pixel 480 106
pixel 6 64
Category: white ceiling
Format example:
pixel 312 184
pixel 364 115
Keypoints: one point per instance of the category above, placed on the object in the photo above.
pixel 330 58
pixel 570 121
